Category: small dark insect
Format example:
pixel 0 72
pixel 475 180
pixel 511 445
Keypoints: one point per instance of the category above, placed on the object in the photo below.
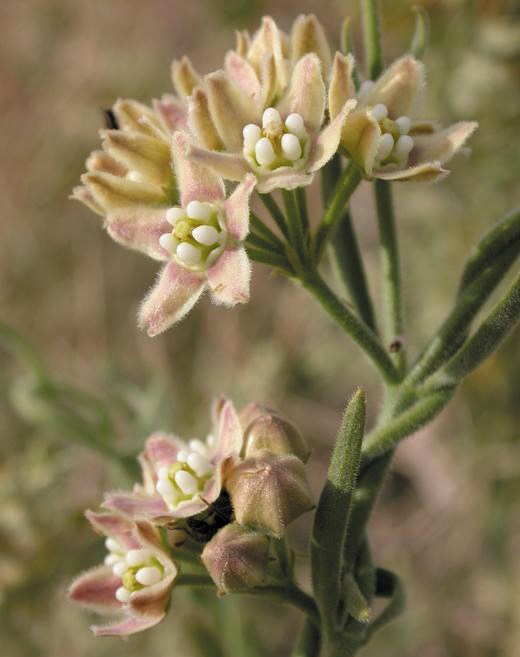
pixel 110 119
pixel 202 527
pixel 396 346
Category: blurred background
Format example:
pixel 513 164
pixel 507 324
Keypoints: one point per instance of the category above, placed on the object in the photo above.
pixel 79 384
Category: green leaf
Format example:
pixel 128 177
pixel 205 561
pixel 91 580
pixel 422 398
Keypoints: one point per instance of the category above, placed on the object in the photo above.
pixel 332 515
pixel 421 35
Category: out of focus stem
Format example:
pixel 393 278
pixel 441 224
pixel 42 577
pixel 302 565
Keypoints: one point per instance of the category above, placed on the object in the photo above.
pixel 372 34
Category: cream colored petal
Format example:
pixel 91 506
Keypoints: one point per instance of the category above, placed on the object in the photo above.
pixel 327 142
pixel 441 145
pixel 102 161
pixel 307 36
pixel 136 117
pixel 200 122
pixel 184 77
pixel 283 178
pixel 306 95
pixel 269 40
pixel 172 112
pixel 427 172
pixel 230 109
pixel 360 137
pixel 243 42
pixel 113 192
pixel 84 195
pixel 399 88
pixel 230 166
pixel 244 75
pixel 139 229
pixel 341 87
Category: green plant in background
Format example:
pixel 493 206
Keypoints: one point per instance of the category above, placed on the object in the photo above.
pixel 214 514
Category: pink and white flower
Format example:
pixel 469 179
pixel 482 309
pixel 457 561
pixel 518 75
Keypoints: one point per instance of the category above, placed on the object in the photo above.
pixel 135 581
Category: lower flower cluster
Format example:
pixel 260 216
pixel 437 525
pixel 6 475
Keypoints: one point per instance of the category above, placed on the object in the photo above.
pixel 214 507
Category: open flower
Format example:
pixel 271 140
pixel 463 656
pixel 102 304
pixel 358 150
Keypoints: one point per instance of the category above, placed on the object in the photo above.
pixel 381 135
pixel 182 479
pixel 135 581
pixel 281 139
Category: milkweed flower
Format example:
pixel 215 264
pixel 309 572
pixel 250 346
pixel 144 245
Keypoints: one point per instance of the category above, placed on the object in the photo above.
pixel 135 581
pixel 381 135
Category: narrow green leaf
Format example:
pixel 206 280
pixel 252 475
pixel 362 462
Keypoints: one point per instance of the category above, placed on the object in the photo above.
pixel 372 31
pixel 347 46
pixel 332 515
pixel 275 212
pixel 421 35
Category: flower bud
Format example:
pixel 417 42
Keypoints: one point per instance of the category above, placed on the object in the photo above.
pixel 270 431
pixel 236 558
pixel 269 491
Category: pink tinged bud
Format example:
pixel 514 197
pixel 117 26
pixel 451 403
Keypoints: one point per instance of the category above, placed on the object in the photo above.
pixel 269 491
pixel 236 559
pixel 276 434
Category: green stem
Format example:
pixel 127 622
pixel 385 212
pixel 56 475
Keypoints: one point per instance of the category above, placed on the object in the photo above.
pixel 360 333
pixel 291 595
pixel 295 224
pixel 391 278
pixel 309 642
pixel 372 34
pixel 346 258
pixel 275 212
pixel 259 229
pixel 345 187
pixel 301 199
pixel 269 258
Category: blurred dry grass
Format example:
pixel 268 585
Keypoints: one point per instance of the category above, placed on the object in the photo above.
pixel 447 521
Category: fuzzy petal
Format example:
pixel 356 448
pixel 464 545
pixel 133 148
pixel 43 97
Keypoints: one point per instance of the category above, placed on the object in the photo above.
pixel 113 525
pixel 229 277
pixel 341 87
pixel 200 121
pixel 139 228
pixel 172 112
pixel 151 601
pixel 102 161
pixel 84 195
pixel 196 183
pixel 283 178
pixel 136 117
pixel 113 192
pixel 230 166
pixel 236 208
pixel 161 450
pixel 269 40
pixel 150 539
pixel 95 590
pixel 426 172
pixel 308 36
pixel 229 433
pixel 441 145
pixel 328 140
pixel 243 74
pixel 184 77
pixel 399 88
pixel 127 625
pixel 135 506
pixel 172 297
pixel 230 109
pixel 307 93
pixel 360 137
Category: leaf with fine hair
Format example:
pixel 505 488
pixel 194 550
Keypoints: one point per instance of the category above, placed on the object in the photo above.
pixel 332 515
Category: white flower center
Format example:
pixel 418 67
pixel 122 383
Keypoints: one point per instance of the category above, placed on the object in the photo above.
pixel 186 478
pixel 136 568
pixel 198 234
pixel 395 144
pixel 275 144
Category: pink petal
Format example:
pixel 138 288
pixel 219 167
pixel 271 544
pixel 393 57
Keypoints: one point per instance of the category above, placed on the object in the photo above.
pixel 229 435
pixel 283 178
pixel 307 93
pixel 151 601
pixel 443 144
pixel 229 278
pixel 113 525
pixel 172 297
pixel 184 510
pixel 236 209
pixel 161 450
pixel 399 88
pixel 328 140
pixel 230 166
pixel 195 182
pixel 128 625
pixel 96 589
pixel 135 506
pixel 172 112
pixel 149 538
pixel 139 228
pixel 243 74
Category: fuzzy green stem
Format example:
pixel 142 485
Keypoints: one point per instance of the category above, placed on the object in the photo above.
pixel 372 34
pixel 275 212
pixel 358 331
pixel 259 229
pixel 268 257
pixel 390 271
pixel 295 225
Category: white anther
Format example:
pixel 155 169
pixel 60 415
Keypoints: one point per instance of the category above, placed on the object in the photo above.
pixel 206 235
pixel 291 147
pixel 186 482
pixel 198 210
pixel 294 123
pixel 403 147
pixel 148 576
pixel 182 455
pixel 168 242
pixel 188 254
pixel 112 545
pixel 365 88
pixel 135 176
pixel 119 568
pixel 271 115
pixel 379 112
pixel 384 147
pixel 138 557
pixel 199 464
pixel 403 124
pixel 111 559
pixel 165 488
pixel 123 595
pixel 264 152
pixel 198 446
pixel 252 133
pixel 163 472
pixel 174 214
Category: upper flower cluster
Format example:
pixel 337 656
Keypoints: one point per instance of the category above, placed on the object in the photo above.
pixel 227 495
pixel 276 112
